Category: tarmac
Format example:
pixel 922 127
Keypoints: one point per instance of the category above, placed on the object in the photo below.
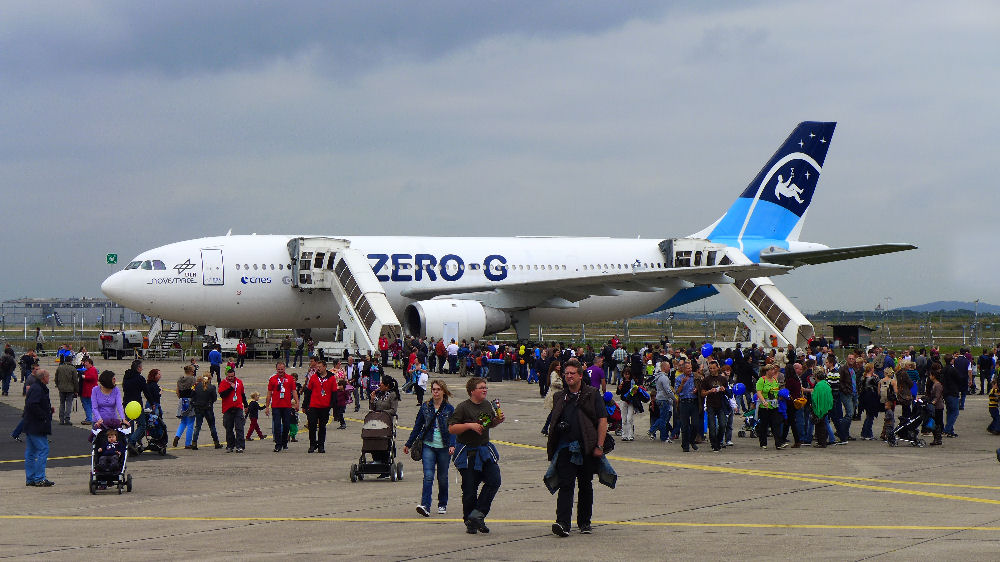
pixel 860 501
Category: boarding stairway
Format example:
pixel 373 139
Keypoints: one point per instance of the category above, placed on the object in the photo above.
pixel 162 339
pixel 330 264
pixel 772 319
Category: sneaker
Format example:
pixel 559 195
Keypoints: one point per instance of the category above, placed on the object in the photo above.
pixel 951 435
pixel 44 483
pixel 652 436
pixel 229 450
pixel 442 510
pixel 470 527
pixel 763 446
pixel 868 438
pixel 694 446
pixel 423 511
pixel 249 438
pixel 559 530
pixel 239 450
pixel 585 529
pixel 782 446
pixel 841 442
pixel 729 443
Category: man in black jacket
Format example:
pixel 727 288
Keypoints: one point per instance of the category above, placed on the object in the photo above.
pixel 580 423
pixel 133 387
pixel 955 380
pixel 37 427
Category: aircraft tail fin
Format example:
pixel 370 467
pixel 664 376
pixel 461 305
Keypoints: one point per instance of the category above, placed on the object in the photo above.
pixel 773 206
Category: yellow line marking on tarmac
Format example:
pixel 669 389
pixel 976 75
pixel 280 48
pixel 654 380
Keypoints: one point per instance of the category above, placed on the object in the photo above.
pixel 815 478
pixel 679 524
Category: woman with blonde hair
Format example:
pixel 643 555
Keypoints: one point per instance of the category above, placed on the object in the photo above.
pixel 438 445
pixel 185 410
pixel 203 402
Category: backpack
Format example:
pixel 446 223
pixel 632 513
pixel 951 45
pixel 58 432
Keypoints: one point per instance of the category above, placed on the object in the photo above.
pixel 7 363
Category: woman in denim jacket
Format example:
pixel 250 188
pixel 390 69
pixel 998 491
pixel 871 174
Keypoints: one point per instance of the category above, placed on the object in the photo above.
pixel 439 445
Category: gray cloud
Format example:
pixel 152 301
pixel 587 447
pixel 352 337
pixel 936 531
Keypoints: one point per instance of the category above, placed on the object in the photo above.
pixel 131 126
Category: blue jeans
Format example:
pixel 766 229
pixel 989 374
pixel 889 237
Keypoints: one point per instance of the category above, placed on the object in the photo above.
pixel 36 455
pixel 866 427
pixel 848 403
pixel 88 408
pixel 6 382
pixel 951 406
pixel 435 459
pixel 662 423
pixel 186 424
pixel 281 422
pixel 138 428
pixel 807 424
pixel 472 497
pixel 716 426
pixel 995 424
pixel 837 417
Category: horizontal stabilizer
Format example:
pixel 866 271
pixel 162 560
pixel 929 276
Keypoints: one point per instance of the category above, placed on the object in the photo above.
pixel 814 257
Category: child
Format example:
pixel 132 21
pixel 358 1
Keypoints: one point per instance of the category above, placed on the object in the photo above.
pixel 110 455
pixel 231 365
pixel 194 364
pixel 994 427
pixel 253 412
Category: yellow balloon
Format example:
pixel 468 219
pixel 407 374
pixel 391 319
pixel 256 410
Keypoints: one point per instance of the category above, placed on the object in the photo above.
pixel 132 410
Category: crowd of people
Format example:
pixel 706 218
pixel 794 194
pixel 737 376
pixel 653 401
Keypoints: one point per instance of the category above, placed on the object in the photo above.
pixel 694 396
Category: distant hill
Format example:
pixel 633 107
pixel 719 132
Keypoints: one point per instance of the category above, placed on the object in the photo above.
pixel 951 306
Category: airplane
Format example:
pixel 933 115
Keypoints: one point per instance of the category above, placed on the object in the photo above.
pixel 468 287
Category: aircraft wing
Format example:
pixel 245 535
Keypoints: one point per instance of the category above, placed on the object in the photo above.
pixel 814 257
pixel 565 290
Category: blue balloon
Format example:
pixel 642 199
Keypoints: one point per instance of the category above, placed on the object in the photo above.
pixel 706 350
pixel 784 394
pixel 739 389
pixel 729 361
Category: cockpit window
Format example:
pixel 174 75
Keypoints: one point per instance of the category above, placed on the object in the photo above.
pixel 159 265
pixel 146 265
pixel 133 265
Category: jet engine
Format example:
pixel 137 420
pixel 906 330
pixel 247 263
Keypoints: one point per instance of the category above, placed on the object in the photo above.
pixel 459 319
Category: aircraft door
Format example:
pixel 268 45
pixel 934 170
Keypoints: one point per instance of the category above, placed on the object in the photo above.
pixel 212 272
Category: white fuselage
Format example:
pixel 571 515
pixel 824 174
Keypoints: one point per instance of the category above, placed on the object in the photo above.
pixel 245 281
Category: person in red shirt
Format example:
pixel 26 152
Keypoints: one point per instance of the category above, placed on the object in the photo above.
pixel 383 347
pixel 232 392
pixel 88 380
pixel 241 353
pixel 322 386
pixel 283 398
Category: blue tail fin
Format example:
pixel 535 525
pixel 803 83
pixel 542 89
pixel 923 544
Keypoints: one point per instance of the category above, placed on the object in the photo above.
pixel 773 206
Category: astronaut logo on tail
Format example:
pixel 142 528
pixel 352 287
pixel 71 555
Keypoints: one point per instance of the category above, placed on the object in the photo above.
pixel 788 189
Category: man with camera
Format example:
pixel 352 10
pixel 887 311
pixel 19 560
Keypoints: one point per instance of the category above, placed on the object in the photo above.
pixel 581 424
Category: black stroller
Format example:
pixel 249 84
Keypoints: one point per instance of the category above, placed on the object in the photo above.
pixel 909 428
pixel 155 437
pixel 378 439
pixel 110 471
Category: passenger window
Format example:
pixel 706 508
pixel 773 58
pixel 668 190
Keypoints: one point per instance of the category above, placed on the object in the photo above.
pixel 272 267
pixel 237 267
pixel 255 267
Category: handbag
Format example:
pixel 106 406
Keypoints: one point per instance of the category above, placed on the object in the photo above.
pixel 417 450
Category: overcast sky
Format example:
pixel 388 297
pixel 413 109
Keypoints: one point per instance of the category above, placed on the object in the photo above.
pixel 130 125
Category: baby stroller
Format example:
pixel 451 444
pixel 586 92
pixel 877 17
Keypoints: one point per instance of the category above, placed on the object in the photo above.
pixel 155 438
pixel 749 422
pixel 378 439
pixel 909 428
pixel 109 471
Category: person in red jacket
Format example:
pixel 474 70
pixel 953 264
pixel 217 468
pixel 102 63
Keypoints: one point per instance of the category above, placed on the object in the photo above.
pixel 383 348
pixel 232 392
pixel 241 353
pixel 322 387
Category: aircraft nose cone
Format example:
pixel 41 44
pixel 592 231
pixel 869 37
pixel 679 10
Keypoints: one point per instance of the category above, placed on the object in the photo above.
pixel 114 288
